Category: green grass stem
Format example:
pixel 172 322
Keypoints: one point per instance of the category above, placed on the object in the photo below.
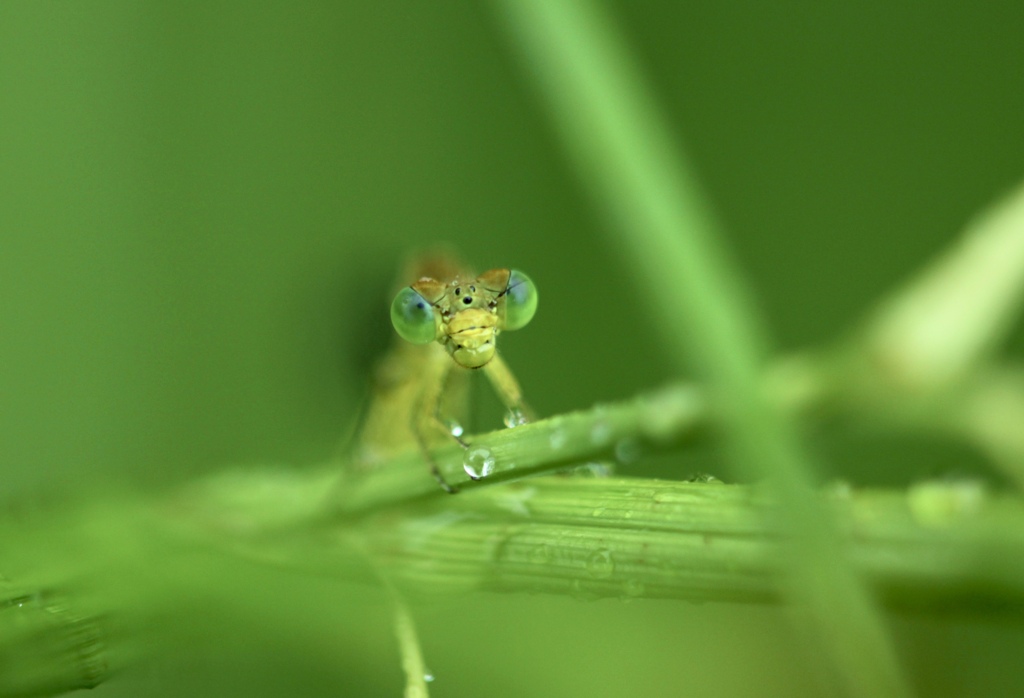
pixel 636 174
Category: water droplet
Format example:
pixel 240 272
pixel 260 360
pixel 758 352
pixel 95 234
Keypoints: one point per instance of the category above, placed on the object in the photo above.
pixel 428 677
pixel 627 450
pixel 600 564
pixel 515 417
pixel 705 479
pixel 540 555
pixel 558 438
pixel 600 433
pixel 478 462
pixel 454 428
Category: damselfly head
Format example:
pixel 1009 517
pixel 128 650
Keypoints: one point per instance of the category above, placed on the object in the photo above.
pixel 465 314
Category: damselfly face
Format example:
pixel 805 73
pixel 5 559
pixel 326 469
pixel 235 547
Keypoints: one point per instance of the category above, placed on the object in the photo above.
pixel 465 314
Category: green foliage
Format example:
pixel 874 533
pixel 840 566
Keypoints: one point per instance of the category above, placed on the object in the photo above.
pixel 198 197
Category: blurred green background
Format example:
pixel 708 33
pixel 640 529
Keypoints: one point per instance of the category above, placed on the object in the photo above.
pixel 202 207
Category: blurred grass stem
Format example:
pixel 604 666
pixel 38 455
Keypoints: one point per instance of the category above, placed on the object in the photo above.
pixel 633 169
pixel 945 320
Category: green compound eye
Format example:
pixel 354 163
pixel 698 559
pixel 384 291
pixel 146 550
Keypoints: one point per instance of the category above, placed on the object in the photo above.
pixel 520 301
pixel 413 317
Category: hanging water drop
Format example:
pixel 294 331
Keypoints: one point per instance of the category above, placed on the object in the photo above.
pixel 478 462
pixel 454 428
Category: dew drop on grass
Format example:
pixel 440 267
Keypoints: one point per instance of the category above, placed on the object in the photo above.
pixel 515 417
pixel 704 479
pixel 454 428
pixel 600 564
pixel 478 462
pixel 428 676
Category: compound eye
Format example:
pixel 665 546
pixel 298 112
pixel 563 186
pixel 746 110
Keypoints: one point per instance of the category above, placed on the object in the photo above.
pixel 413 317
pixel 519 301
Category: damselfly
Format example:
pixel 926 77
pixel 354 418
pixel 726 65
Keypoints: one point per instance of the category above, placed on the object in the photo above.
pixel 449 320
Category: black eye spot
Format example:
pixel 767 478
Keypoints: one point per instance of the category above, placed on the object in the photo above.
pixel 421 305
pixel 467 300
pixel 472 289
pixel 458 292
